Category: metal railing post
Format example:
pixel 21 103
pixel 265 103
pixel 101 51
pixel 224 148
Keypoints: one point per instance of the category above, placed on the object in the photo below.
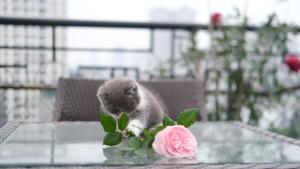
pixel 172 54
pixel 151 49
pixel 53 44
pixel 137 73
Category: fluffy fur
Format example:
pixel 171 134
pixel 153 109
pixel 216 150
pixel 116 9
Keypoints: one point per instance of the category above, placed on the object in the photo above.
pixel 126 95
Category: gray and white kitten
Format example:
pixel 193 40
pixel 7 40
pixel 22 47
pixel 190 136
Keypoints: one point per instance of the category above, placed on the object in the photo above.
pixel 126 95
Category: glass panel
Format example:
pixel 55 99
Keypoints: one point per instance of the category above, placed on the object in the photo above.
pixel 78 143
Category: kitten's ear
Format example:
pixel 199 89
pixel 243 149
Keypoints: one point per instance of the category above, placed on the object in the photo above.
pixel 98 93
pixel 101 95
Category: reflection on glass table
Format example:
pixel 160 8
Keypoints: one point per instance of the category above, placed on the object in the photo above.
pixel 80 143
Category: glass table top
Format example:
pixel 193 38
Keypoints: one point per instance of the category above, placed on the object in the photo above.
pixel 80 143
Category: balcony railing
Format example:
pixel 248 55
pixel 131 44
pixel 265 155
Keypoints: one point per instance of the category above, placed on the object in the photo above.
pixel 54 48
pixel 55 23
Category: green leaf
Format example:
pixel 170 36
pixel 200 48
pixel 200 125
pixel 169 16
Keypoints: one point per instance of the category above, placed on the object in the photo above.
pixel 134 142
pixel 147 133
pixel 158 129
pixel 129 133
pixel 108 123
pixel 147 142
pixel 140 152
pixel 148 138
pixel 123 121
pixel 187 117
pixel 167 121
pixel 112 139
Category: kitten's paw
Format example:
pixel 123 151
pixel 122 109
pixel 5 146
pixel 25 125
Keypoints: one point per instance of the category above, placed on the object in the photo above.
pixel 135 126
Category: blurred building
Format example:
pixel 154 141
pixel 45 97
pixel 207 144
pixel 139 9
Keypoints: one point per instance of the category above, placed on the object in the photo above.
pixel 29 67
pixel 163 38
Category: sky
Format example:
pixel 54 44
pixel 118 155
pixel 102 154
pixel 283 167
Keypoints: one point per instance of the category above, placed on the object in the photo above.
pixel 138 11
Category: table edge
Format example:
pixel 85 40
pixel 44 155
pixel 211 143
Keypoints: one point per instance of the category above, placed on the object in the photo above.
pixel 267 133
pixel 7 129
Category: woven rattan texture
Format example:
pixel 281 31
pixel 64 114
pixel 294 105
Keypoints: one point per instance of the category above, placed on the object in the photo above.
pixel 7 129
pixel 76 98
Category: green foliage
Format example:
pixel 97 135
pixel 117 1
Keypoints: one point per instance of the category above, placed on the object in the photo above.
pixel 158 129
pixel 115 133
pixel 129 134
pixel 108 122
pixel 148 138
pixel 191 59
pixel 187 117
pixel 112 139
pixel 135 142
pixel 167 121
pixel 291 129
pixel 123 121
pixel 140 152
pixel 242 68
pixel 246 62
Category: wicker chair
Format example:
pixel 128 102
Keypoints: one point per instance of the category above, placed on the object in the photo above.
pixel 76 98
pixel 3 119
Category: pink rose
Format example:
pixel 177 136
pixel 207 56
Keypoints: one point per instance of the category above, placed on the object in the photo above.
pixel 293 62
pixel 175 141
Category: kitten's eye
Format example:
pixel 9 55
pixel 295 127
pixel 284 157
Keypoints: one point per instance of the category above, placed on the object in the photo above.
pixel 130 91
pixel 127 93
pixel 104 95
pixel 134 89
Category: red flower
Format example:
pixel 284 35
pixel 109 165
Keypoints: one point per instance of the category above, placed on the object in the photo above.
pixel 293 62
pixel 216 18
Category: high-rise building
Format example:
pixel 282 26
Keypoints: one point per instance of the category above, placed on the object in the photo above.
pixel 29 67
pixel 163 38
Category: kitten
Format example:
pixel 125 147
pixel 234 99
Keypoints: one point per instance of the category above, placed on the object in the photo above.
pixel 126 95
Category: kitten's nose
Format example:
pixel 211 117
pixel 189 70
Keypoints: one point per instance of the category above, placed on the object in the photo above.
pixel 117 112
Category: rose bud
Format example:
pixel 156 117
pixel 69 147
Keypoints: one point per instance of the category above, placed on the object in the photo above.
pixel 216 18
pixel 293 62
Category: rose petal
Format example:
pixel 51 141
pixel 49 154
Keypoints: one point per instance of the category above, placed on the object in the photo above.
pixel 175 141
